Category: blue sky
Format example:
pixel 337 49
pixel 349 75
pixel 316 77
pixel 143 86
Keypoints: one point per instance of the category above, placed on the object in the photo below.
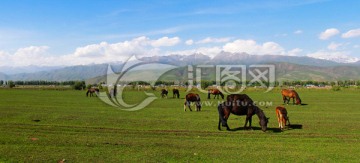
pixel 66 32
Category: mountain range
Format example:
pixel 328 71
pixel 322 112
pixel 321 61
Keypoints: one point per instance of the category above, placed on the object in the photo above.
pixel 287 67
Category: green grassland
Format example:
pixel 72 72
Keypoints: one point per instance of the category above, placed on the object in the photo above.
pixel 77 128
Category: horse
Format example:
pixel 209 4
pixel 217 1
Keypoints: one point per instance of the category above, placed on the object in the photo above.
pixel 287 94
pixel 176 93
pixel 241 104
pixel 192 97
pixel 164 93
pixel 91 91
pixel 215 92
pixel 282 117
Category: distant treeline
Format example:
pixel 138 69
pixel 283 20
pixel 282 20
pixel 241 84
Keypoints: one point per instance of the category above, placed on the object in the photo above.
pixel 204 84
pixel 79 85
pixel 39 82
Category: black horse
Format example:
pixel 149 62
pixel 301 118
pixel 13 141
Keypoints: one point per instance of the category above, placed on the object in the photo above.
pixel 241 104
pixel 176 93
pixel 164 93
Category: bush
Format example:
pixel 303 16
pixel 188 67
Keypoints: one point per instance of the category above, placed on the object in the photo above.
pixel 11 84
pixel 79 85
pixel 336 88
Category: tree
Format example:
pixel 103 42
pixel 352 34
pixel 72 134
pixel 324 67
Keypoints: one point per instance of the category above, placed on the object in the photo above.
pixel 11 84
pixel 79 85
pixel 1 82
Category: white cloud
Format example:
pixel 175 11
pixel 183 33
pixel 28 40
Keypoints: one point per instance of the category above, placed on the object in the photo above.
pixel 337 56
pixel 251 47
pixel 95 53
pixel 334 46
pixel 32 55
pixel 328 33
pixel 165 41
pixel 209 51
pixel 294 52
pixel 298 32
pixel 189 42
pixel 351 33
pixel 213 40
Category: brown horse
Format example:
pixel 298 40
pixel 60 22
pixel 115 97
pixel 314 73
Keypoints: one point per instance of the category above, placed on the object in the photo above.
pixel 192 97
pixel 282 117
pixel 287 94
pixel 91 91
pixel 241 104
pixel 215 92
pixel 176 93
pixel 164 93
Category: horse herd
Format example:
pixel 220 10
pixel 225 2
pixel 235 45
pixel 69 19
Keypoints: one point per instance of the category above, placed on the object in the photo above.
pixel 242 104
pixel 237 104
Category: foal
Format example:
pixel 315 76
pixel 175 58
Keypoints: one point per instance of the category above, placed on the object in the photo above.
pixel 282 117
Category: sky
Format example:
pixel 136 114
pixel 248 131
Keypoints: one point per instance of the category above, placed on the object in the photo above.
pixel 67 32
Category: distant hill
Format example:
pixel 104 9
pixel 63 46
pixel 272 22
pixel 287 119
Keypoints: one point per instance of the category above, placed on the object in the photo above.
pixel 287 67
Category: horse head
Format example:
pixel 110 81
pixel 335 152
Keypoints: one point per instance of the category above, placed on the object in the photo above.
pixel 298 100
pixel 263 123
pixel 222 95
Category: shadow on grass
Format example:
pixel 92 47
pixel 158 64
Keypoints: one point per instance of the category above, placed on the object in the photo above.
pixel 269 129
pixel 295 126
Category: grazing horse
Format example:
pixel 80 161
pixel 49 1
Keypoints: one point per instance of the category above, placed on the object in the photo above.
pixel 176 93
pixel 287 94
pixel 215 92
pixel 91 91
pixel 192 97
pixel 164 93
pixel 241 104
pixel 282 117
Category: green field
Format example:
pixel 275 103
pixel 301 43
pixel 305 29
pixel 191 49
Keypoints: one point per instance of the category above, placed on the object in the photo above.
pixel 80 129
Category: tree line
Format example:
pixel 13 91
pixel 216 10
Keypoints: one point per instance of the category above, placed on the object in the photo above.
pixel 80 85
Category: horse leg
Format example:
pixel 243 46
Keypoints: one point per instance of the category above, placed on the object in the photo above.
pixel 281 121
pixel 278 116
pixel 198 106
pixel 288 100
pixel 288 121
pixel 224 114
pixel 226 117
pixel 284 99
pixel 250 121
pixel 189 103
pixel 185 105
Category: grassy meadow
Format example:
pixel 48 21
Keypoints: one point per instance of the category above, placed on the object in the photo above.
pixel 51 125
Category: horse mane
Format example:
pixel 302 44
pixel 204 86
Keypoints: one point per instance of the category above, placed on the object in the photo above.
pixel 297 96
pixel 259 112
